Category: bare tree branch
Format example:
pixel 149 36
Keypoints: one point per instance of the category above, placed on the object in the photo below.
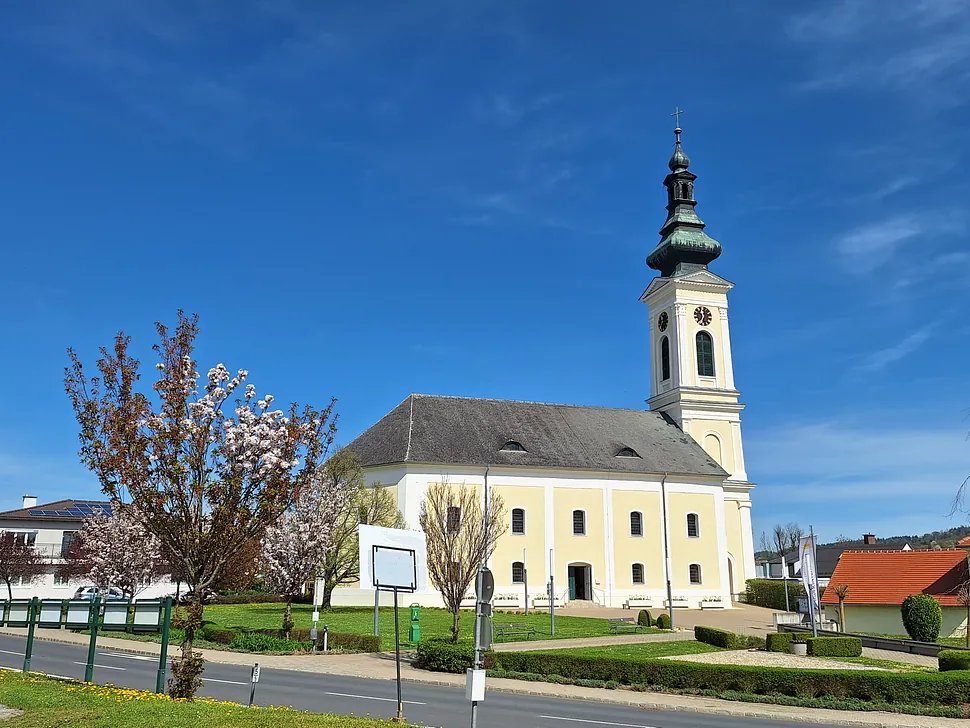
pixel 461 535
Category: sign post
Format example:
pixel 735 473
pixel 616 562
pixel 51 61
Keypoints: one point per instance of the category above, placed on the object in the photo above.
pixel 32 618
pixel 525 581
pixel 552 595
pixel 395 569
pixel 163 655
pixel 254 679
pixel 93 642
pixel 475 676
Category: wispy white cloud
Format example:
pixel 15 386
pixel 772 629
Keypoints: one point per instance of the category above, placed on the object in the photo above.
pixel 882 358
pixel 867 247
pixel 849 477
pixel 919 46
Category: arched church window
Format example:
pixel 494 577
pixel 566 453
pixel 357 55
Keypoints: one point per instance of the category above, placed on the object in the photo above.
pixel 579 523
pixel 453 519
pixel 638 574
pixel 695 573
pixel 705 354
pixel 518 572
pixel 664 359
pixel 513 446
pixel 636 523
pixel 685 191
pixel 518 520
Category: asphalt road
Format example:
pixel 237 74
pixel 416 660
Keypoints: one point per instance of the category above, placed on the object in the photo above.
pixel 431 705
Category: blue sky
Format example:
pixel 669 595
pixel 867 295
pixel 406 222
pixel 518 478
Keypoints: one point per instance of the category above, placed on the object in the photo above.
pixel 371 199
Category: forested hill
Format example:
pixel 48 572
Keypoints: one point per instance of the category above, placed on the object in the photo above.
pixel 944 539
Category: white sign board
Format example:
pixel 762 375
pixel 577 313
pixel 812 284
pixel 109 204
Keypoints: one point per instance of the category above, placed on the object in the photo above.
pixel 371 536
pixel 394 568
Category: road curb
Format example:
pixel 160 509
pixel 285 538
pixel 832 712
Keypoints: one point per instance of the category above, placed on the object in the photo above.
pixel 613 698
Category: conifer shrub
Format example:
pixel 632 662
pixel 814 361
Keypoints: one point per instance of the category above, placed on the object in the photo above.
pixel 922 617
pixel 644 619
pixel 663 621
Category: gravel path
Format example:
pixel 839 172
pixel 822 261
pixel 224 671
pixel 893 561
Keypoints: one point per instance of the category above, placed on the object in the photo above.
pixel 759 658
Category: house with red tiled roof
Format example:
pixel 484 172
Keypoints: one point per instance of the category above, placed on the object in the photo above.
pixel 879 581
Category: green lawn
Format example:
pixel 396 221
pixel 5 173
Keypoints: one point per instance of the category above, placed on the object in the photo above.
pixel 642 650
pixel 47 703
pixel 360 620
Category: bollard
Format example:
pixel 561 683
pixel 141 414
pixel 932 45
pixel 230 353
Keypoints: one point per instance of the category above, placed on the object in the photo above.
pixel 32 617
pixel 326 636
pixel 93 643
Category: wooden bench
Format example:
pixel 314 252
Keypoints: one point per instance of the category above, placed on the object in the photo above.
pixel 513 629
pixel 624 623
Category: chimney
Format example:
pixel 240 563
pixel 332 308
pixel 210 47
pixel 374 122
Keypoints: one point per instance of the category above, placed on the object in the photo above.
pixel 869 539
pixel 30 501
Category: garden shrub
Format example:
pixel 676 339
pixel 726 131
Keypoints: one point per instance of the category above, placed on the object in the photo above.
pixel 346 641
pixel 922 617
pixel 834 646
pixel 717 637
pixel 954 660
pixel 260 642
pixel 868 685
pixel 663 621
pixel 644 619
pixel 445 656
pixel 211 633
pixel 186 676
pixel 779 641
pixel 770 593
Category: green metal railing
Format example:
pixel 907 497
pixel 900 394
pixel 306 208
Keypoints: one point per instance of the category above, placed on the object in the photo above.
pixel 145 616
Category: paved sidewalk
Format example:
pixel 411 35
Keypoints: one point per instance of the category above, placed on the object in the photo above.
pixel 381 667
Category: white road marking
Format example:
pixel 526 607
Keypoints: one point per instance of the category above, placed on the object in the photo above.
pixel 8 652
pixel 372 697
pixel 129 657
pixel 596 722
pixel 228 682
pixel 102 667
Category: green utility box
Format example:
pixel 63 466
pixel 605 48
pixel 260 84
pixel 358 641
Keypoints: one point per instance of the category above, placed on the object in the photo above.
pixel 414 631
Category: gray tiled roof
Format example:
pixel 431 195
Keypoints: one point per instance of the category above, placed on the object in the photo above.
pixel 466 431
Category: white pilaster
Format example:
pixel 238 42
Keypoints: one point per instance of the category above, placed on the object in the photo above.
pixel 728 364
pixel 684 368
pixel 722 551
pixel 550 527
pixel 747 539
pixel 610 577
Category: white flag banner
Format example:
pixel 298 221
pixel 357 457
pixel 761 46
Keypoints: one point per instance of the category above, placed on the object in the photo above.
pixel 806 557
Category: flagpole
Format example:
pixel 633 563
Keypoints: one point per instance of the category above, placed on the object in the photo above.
pixel 818 606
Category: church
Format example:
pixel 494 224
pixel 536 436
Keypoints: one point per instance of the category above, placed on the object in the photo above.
pixel 612 503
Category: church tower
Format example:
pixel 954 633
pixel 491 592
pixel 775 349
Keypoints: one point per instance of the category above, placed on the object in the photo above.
pixel 692 376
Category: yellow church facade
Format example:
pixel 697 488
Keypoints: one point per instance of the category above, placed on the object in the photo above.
pixel 610 504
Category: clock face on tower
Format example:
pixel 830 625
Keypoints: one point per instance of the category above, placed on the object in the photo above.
pixel 702 315
pixel 662 321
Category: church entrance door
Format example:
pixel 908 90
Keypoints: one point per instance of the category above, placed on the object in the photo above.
pixel 579 582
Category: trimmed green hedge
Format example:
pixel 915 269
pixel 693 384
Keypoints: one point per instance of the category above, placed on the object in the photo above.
pixel 870 685
pixel 346 641
pixel 644 619
pixel 778 641
pixel 954 660
pixel 717 637
pixel 663 621
pixel 443 656
pixel 770 593
pixel 834 646
pixel 922 617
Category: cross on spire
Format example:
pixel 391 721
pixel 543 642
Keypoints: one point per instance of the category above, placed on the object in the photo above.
pixel 677 112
